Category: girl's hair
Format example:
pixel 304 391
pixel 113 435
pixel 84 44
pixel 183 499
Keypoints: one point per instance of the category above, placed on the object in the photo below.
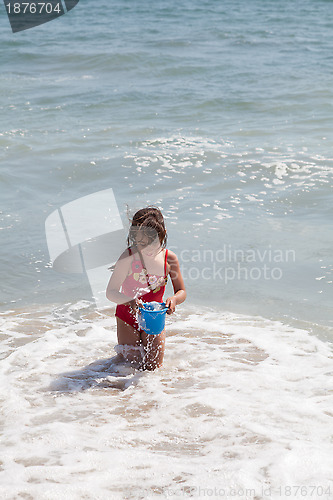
pixel 150 221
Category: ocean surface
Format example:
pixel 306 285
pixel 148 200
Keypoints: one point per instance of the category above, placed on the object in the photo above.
pixel 221 114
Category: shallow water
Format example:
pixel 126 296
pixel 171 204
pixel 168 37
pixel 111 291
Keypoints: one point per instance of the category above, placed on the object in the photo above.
pixel 219 114
pixel 241 404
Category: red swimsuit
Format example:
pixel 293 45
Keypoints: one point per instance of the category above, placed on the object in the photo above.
pixel 135 285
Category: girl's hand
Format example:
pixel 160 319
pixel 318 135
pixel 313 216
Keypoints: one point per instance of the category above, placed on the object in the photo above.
pixel 171 304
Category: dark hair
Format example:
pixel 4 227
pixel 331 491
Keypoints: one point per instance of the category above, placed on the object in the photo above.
pixel 150 221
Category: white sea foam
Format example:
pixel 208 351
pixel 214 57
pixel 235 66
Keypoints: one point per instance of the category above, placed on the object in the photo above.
pixel 153 306
pixel 241 407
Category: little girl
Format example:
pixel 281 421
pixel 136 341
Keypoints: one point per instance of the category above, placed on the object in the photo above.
pixel 140 275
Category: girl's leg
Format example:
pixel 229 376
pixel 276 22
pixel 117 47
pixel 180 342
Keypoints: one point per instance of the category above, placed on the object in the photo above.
pixel 129 342
pixel 154 346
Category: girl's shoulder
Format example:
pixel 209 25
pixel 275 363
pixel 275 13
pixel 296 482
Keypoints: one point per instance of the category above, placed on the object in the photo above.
pixel 126 257
pixel 126 261
pixel 172 257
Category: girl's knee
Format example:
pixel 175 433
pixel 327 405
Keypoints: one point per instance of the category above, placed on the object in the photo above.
pixel 131 353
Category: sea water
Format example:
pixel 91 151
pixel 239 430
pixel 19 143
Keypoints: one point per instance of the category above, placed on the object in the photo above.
pixel 241 407
pixel 220 113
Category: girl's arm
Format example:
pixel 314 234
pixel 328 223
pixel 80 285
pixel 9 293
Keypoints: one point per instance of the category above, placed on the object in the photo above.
pixel 177 283
pixel 117 279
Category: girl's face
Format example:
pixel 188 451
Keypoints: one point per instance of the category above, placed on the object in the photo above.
pixel 150 250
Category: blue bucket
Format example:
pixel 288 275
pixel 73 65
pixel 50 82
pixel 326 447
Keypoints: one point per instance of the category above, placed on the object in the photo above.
pixel 151 319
